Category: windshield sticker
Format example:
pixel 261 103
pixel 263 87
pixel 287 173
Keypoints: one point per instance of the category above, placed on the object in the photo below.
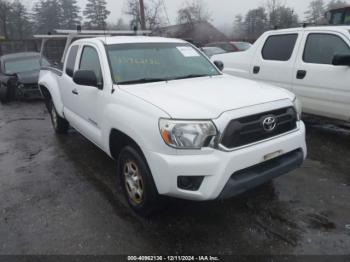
pixel 150 61
pixel 187 51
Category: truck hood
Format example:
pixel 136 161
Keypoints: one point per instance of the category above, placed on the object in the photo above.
pixel 206 97
pixel 30 77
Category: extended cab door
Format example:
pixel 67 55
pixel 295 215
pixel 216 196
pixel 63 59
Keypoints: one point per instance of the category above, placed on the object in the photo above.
pixel 67 86
pixel 323 88
pixel 92 99
pixel 274 59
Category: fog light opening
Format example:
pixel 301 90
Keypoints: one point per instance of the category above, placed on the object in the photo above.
pixel 189 183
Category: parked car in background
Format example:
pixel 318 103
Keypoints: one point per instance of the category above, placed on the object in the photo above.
pixel 19 75
pixel 173 122
pixel 312 62
pixel 212 50
pixel 231 46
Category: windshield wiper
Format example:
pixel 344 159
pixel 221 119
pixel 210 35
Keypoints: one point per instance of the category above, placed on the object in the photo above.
pixel 142 81
pixel 188 76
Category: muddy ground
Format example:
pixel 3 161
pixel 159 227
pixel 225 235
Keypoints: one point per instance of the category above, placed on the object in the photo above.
pixel 58 196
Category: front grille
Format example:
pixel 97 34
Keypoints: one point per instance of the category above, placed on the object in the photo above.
pixel 29 87
pixel 249 129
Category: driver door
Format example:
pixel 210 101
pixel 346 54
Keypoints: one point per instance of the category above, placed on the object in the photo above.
pixel 90 103
pixel 323 88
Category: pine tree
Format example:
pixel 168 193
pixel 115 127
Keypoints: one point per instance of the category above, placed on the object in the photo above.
pixel 96 14
pixel 20 26
pixel 47 15
pixel 70 14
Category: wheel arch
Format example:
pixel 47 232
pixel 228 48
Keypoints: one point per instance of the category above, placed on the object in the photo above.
pixel 45 93
pixel 118 140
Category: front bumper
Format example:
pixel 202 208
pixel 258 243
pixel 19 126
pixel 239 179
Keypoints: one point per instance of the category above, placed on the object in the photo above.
pixel 218 167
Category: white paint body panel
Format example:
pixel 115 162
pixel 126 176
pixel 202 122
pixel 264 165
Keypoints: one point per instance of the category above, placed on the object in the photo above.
pixel 136 109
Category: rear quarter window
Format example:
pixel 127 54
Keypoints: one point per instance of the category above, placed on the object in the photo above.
pixel 279 47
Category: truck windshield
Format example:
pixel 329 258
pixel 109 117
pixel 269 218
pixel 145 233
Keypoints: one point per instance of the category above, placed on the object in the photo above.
pixel 154 62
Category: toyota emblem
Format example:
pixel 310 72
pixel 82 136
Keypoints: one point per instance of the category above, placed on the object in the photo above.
pixel 269 123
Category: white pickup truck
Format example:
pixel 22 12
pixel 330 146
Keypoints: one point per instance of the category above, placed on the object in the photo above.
pixel 312 62
pixel 175 124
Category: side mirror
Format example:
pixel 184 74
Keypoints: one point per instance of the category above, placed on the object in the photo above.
pixel 219 65
pixel 341 60
pixel 86 78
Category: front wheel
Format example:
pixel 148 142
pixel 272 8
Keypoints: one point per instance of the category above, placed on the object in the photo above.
pixel 137 182
pixel 60 124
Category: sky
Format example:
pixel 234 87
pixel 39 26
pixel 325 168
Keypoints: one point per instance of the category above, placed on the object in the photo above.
pixel 223 11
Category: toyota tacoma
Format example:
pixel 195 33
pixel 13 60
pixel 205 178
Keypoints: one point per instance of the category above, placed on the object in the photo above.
pixel 174 123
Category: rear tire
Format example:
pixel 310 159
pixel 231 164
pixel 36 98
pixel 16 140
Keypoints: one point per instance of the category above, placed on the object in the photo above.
pixel 137 182
pixel 60 124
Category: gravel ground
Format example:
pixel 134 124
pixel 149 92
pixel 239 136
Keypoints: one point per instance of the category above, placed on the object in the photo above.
pixel 58 195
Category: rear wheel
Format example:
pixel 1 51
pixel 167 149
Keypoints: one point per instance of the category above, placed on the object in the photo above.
pixel 60 124
pixel 137 182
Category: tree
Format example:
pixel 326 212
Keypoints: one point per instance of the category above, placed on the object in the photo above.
pixel 280 16
pixel 315 12
pixel 256 22
pixel 153 13
pixel 96 13
pixel 5 9
pixel 70 14
pixel 121 25
pixel 239 27
pixel 272 7
pixel 20 26
pixel 195 11
pixel 47 16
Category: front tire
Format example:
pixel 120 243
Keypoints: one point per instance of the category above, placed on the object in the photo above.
pixel 60 124
pixel 6 94
pixel 137 182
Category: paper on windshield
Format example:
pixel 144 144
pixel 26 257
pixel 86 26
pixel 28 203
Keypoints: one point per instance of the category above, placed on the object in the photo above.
pixel 187 51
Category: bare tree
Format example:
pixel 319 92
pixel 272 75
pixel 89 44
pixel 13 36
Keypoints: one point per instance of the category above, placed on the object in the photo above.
pixel 239 27
pixel 256 22
pixel 315 12
pixel 272 7
pixel 195 11
pixel 154 16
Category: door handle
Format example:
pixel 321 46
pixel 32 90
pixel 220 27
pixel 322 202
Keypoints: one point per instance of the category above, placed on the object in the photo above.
pixel 301 74
pixel 256 69
pixel 75 91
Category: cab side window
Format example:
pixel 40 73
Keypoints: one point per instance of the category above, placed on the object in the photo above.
pixel 90 61
pixel 321 48
pixel 279 47
pixel 72 57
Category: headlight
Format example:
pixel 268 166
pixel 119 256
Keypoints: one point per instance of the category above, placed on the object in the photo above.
pixel 298 107
pixel 187 134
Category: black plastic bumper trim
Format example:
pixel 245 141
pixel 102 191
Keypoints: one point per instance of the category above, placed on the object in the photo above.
pixel 246 179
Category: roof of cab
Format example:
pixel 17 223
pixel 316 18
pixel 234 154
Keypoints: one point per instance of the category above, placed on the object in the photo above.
pixel 339 28
pixel 112 40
